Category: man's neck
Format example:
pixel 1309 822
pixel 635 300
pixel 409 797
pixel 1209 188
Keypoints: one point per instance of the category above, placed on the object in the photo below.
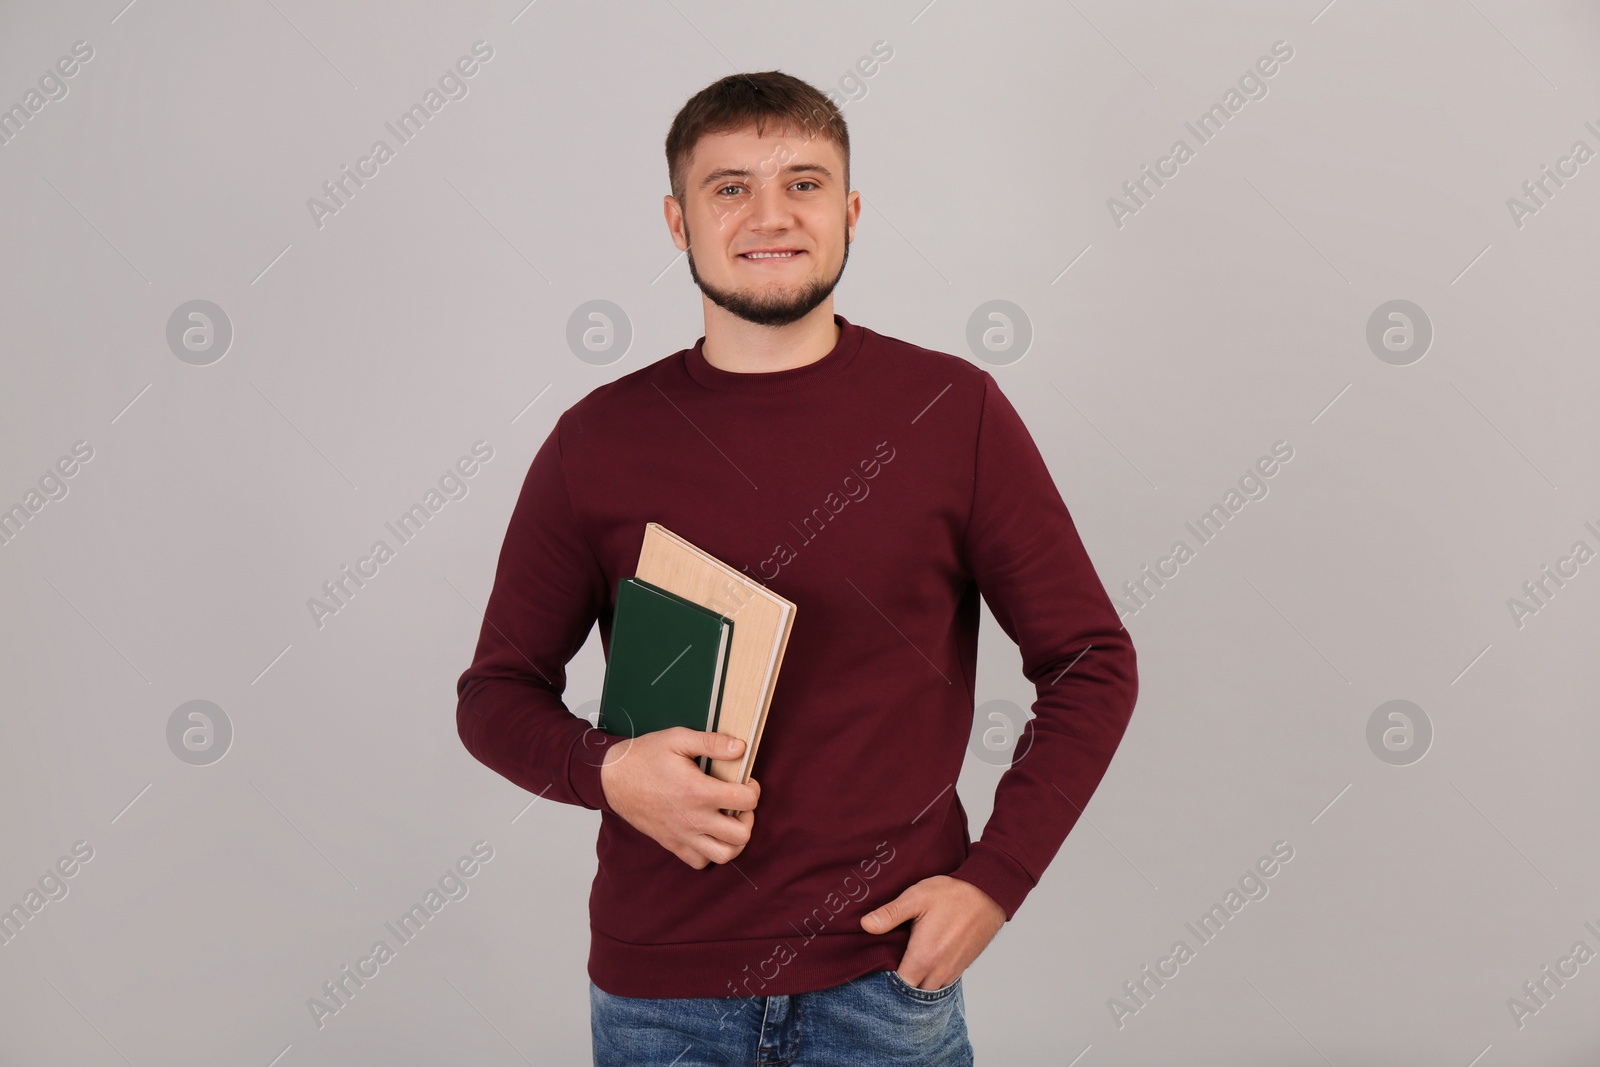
pixel 743 347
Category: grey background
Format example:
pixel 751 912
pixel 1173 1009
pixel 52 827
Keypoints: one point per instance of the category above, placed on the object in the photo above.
pixel 431 312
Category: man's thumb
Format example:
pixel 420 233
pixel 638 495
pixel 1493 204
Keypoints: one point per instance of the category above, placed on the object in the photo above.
pixel 715 745
pixel 889 916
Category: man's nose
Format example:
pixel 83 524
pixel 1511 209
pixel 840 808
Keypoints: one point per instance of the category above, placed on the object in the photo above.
pixel 768 207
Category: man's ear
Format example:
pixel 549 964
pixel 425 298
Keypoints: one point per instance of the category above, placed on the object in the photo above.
pixel 673 212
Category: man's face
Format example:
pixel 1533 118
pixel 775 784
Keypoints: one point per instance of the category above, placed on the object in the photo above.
pixel 745 195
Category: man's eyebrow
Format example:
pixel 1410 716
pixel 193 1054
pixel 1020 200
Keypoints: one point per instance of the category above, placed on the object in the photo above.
pixel 725 173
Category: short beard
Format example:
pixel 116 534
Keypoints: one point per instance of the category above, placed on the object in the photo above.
pixel 778 310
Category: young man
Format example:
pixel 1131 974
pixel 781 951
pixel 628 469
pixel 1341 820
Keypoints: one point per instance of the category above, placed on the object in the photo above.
pixel 883 488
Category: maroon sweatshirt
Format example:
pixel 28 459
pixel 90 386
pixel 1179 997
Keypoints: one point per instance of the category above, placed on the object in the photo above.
pixel 882 488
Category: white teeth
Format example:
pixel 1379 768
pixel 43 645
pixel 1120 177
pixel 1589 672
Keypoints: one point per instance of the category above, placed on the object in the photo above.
pixel 768 255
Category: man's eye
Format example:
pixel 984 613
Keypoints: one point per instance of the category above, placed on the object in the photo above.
pixel 725 188
pixel 808 181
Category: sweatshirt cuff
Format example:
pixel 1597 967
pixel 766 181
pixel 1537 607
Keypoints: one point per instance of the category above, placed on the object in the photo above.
pixel 997 875
pixel 584 760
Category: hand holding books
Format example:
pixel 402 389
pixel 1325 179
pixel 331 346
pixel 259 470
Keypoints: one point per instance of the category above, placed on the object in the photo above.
pixel 681 681
pixel 653 781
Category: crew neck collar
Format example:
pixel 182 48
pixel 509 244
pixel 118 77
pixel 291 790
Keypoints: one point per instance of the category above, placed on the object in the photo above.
pixel 842 355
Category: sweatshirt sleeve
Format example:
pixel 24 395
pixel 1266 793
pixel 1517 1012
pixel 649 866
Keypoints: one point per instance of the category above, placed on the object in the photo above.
pixel 1023 550
pixel 548 591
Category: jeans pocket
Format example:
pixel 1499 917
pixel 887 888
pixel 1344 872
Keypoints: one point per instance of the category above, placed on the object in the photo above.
pixel 922 996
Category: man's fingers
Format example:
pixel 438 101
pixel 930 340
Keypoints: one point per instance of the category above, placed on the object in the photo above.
pixel 704 743
pixel 733 831
pixel 730 796
pixel 691 857
pixel 683 808
pixel 717 795
pixel 895 912
pixel 714 850
pixel 701 850
pixel 715 826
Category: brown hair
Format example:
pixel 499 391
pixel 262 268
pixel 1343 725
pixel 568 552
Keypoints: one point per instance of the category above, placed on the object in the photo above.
pixel 737 101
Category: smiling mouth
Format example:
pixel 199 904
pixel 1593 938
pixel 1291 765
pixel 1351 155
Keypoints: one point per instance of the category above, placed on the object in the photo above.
pixel 764 257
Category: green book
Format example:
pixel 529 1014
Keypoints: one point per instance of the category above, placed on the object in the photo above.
pixel 666 665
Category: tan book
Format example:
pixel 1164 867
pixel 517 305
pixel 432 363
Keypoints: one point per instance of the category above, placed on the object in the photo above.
pixel 761 623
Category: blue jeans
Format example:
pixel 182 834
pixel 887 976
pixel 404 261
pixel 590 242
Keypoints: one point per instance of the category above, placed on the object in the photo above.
pixel 877 1020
